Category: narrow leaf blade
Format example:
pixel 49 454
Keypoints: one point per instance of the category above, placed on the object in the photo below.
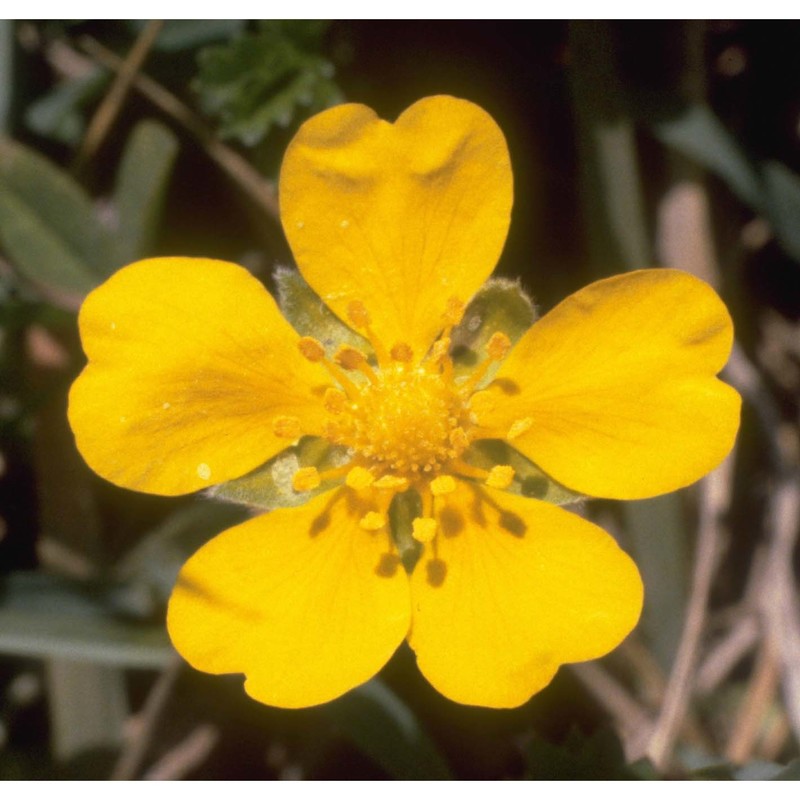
pixel 383 727
pixel 141 187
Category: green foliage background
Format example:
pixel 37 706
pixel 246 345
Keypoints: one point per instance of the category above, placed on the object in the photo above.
pixel 633 144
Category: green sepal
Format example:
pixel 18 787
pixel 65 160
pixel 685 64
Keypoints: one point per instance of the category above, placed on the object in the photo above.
pixel 270 486
pixel 501 306
pixel 405 508
pixel 309 315
pixel 529 480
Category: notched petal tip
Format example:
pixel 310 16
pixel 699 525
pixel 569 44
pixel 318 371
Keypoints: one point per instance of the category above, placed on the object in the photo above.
pixel 518 589
pixel 302 601
pixel 621 398
pixel 190 366
pixel 441 173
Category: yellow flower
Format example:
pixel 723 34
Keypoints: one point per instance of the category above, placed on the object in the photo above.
pixel 194 379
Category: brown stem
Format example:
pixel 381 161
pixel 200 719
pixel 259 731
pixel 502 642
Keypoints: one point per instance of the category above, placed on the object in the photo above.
pixel 108 110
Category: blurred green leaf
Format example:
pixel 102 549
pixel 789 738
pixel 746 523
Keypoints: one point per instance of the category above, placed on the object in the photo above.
pixel 148 571
pixel 186 34
pixel 710 769
pixel 791 772
pixel 500 305
pixel 698 134
pixel 766 771
pixel 529 480
pixel 307 34
pixel 58 115
pixel 141 187
pixel 769 188
pixel 47 223
pixel 45 616
pixel 270 486
pixel 656 533
pixel 263 79
pixel 310 316
pixel 782 190
pixel 581 758
pixel 6 73
pixel 611 181
pixel 383 727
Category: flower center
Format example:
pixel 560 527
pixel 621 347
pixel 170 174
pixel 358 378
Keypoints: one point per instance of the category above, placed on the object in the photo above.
pixel 406 423
pixel 409 420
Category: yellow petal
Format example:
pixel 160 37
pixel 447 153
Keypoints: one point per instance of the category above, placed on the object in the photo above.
pixel 190 362
pixel 303 601
pixel 613 392
pixel 400 216
pixel 516 587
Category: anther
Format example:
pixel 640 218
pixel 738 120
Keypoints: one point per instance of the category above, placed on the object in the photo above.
pixel 358 314
pixel 287 427
pixel 423 529
pixel 334 400
pixel 500 476
pixel 348 357
pixel 306 479
pixel 311 348
pixel 459 440
pixel 498 346
pixel 392 482
pixel 372 521
pixel 359 478
pixel 444 484
pixel 402 352
pixel 453 312
pixel 518 428
pixel 440 349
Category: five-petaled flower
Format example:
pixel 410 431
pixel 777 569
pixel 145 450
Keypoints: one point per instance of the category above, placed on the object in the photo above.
pixel 194 379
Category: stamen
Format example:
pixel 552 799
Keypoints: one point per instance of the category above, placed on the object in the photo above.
pixel 287 427
pixel 468 470
pixel 440 349
pixel 423 529
pixel 459 440
pixel 350 358
pixel 518 428
pixel 444 484
pixel 334 473
pixel 359 478
pixel 402 352
pixel 357 314
pixel 306 479
pixel 392 482
pixel 498 346
pixel 454 311
pixel 501 476
pixel 334 400
pixel 440 356
pixel 497 349
pixel 311 348
pixel 372 521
